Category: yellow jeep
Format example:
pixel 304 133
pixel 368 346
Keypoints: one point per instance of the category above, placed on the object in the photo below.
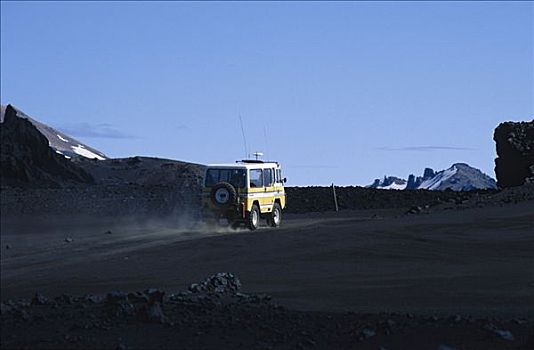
pixel 244 192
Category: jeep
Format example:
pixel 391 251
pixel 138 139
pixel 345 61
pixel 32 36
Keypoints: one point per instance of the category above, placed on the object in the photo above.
pixel 244 193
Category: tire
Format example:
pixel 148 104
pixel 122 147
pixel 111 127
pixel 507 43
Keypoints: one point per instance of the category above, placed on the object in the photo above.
pixel 275 218
pixel 223 194
pixel 253 218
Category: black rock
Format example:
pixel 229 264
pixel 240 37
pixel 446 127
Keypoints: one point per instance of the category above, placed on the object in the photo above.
pixel 514 164
pixel 116 297
pixel 39 299
pixel 221 283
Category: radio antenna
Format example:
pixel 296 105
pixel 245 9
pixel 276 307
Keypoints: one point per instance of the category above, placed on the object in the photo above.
pixel 266 140
pixel 243 133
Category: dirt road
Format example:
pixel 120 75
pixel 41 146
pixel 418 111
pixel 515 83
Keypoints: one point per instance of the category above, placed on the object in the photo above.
pixel 476 261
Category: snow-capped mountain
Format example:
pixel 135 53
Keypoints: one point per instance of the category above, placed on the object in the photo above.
pixel 389 183
pixel 459 177
pixel 58 141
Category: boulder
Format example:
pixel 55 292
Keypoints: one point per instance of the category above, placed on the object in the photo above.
pixel 514 164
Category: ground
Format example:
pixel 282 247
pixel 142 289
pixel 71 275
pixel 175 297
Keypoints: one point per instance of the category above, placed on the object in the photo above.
pixel 448 277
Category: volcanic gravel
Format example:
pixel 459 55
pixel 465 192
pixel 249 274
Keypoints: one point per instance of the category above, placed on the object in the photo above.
pixel 215 314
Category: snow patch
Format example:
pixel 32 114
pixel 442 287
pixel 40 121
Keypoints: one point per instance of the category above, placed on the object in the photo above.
pixel 393 186
pixel 86 153
pixel 435 182
pixel 59 152
pixel 61 138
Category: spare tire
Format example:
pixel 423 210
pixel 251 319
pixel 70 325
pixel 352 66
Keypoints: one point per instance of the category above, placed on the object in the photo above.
pixel 223 194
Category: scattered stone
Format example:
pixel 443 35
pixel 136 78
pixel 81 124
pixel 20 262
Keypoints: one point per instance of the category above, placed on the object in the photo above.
pixel 108 232
pixel 8 246
pixel 154 295
pixel 366 333
pixel 445 347
pixel 39 299
pixel 151 313
pixel 115 297
pixel 137 297
pixel 455 319
pixel 503 334
pixel 5 308
pixel 91 299
pixel 414 210
pixel 519 321
pixel 64 299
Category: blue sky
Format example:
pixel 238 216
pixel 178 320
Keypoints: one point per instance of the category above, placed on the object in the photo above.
pixel 338 92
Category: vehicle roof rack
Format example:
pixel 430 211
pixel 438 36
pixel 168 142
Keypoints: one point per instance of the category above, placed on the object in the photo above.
pixel 250 161
pixel 254 161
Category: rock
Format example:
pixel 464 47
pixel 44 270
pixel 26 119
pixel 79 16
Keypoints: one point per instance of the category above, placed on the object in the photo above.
pixel 64 299
pixel 68 239
pixel 151 313
pixel 455 319
pixel 39 299
pixel 445 347
pixel 154 295
pixel 5 308
pixel 8 246
pixel 221 283
pixel 414 210
pixel 253 298
pixel 504 334
pixel 91 299
pixel 366 333
pixel 115 297
pixel 108 232
pixel 514 164
pixel 137 297
pixel 21 314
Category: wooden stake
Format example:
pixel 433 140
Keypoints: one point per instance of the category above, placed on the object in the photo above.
pixel 335 197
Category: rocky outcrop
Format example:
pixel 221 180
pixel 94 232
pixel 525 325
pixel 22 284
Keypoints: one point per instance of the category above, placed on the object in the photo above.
pixel 27 160
pixel 514 164
pixel 57 140
pixel 415 182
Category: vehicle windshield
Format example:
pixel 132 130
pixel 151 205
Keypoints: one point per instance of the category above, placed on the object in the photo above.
pixel 236 177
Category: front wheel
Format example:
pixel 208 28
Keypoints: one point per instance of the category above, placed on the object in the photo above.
pixel 253 218
pixel 275 218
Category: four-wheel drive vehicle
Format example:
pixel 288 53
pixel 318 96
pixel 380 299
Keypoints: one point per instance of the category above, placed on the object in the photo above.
pixel 244 192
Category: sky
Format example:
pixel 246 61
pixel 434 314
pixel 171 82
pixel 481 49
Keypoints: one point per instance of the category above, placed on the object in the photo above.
pixel 338 92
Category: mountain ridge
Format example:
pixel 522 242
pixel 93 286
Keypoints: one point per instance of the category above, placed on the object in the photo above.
pixel 458 177
pixel 60 142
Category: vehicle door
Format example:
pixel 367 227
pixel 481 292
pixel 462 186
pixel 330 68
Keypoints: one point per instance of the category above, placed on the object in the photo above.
pixel 256 189
pixel 268 191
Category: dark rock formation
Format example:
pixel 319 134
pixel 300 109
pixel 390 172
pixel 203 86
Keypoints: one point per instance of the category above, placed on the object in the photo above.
pixel 26 158
pixel 415 182
pixel 514 164
pixel 57 140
